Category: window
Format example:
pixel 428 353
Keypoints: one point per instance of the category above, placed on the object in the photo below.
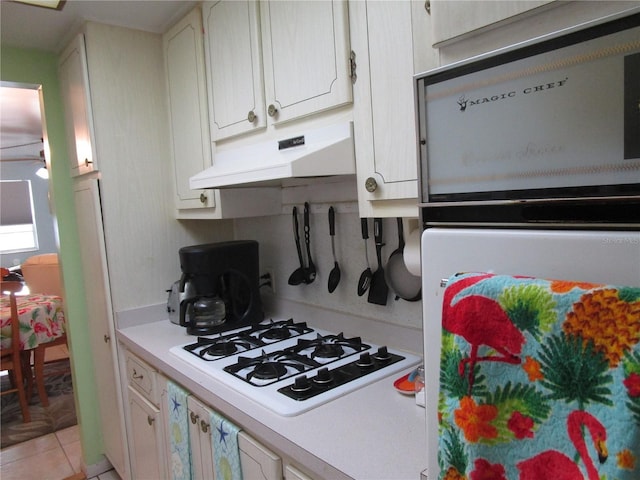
pixel 17 225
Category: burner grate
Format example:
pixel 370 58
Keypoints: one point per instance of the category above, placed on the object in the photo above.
pixel 271 367
pixel 215 348
pixel 305 355
pixel 330 346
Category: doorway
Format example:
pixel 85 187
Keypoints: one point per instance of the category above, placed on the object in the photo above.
pixel 24 175
pixel 26 215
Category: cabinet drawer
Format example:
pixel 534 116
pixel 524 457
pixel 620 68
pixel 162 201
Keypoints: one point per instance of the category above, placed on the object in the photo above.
pixel 141 376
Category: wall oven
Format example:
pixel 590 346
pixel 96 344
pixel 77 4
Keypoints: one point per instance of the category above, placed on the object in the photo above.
pixel 529 167
pixel 543 132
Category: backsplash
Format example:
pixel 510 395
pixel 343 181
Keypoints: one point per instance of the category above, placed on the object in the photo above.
pixel 278 254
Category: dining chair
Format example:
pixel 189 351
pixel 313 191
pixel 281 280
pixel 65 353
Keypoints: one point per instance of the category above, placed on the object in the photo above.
pixel 10 357
pixel 42 275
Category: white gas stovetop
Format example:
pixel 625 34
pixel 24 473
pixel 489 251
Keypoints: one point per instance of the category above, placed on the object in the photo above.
pixel 289 367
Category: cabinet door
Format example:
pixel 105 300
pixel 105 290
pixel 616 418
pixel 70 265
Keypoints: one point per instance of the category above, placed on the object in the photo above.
pixel 258 462
pixel 234 67
pixel 200 438
pixel 147 454
pixel 76 99
pixel 191 150
pixel 292 473
pixel 384 111
pixel 306 57
pixel 100 321
pixel 455 19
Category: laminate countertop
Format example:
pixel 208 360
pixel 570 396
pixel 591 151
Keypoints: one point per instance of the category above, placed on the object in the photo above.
pixel 372 433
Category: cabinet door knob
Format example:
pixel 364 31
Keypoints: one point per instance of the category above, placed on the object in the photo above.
pixel 272 110
pixel 194 417
pixel 87 162
pixel 150 419
pixel 203 198
pixel 370 184
pixel 136 375
pixel 204 426
pixel 427 6
pixel 106 338
pixel 251 116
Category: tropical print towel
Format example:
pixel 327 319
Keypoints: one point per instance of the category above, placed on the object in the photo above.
pixel 539 380
pixel 179 432
pixel 226 454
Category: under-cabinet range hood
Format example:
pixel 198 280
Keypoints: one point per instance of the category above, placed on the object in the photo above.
pixel 322 152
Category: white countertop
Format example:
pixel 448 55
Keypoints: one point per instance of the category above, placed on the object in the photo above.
pixel 372 433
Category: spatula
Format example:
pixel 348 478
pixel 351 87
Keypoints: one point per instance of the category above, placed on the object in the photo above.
pixel 378 291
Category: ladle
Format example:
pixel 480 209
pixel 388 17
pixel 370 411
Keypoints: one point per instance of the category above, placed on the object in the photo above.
pixel 299 275
pixel 365 277
pixel 334 275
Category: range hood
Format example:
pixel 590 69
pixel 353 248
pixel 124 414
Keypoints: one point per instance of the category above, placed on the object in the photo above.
pixel 321 152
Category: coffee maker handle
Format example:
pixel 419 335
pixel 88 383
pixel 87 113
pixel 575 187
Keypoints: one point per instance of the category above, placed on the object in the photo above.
pixel 183 280
pixel 183 310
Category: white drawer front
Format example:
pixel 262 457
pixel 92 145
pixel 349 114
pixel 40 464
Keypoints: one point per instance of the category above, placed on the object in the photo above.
pixel 141 376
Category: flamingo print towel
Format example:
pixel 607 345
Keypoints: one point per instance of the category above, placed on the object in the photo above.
pixel 539 379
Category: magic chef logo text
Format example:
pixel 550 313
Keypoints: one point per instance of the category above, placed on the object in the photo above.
pixel 466 103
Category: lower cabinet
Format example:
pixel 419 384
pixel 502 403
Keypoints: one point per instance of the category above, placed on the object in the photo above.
pixel 257 461
pixel 148 429
pixel 147 438
pixel 147 435
pixel 292 473
pixel 202 466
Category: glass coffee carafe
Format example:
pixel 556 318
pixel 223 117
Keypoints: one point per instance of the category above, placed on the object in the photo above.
pixel 205 313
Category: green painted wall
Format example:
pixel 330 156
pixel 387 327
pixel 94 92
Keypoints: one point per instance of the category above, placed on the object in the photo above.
pixel 40 68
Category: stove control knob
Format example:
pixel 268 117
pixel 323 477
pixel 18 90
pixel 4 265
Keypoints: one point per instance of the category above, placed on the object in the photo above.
pixel 382 354
pixel 365 360
pixel 301 384
pixel 324 376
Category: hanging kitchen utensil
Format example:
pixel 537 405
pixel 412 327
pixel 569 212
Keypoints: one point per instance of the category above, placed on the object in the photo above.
pixel 311 268
pixel 402 282
pixel 299 275
pixel 378 290
pixel 365 276
pixel 334 275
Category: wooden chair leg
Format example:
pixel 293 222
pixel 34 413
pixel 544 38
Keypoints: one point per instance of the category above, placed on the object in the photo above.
pixel 22 397
pixel 38 363
pixel 25 358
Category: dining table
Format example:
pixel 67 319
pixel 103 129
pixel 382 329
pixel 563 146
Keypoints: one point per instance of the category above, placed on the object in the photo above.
pixel 41 319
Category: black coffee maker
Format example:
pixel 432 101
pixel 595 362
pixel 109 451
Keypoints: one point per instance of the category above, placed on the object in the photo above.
pixel 224 281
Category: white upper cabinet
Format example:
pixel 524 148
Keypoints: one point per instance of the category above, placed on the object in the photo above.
pixel 189 122
pixel 456 19
pixel 234 67
pixel 306 57
pixel 271 62
pixel 74 86
pixel 392 43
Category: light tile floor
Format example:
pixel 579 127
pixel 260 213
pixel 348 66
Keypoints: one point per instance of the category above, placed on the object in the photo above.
pixel 55 456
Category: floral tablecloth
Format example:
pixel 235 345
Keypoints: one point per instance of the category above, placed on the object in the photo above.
pixel 42 320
